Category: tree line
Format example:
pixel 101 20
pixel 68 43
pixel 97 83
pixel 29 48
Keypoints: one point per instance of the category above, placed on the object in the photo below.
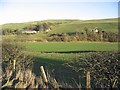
pixel 32 27
pixel 88 35
pixel 96 34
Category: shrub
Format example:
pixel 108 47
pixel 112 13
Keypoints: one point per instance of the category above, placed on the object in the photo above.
pixel 103 66
pixel 11 52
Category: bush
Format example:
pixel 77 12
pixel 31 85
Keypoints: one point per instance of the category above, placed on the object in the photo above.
pixel 11 52
pixel 103 66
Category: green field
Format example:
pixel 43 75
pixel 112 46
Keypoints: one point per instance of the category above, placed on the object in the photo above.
pixel 56 54
pixel 69 47
pixel 68 26
pixel 53 55
pixel 79 27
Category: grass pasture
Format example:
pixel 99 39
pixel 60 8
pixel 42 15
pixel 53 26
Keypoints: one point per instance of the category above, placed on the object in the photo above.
pixel 56 54
pixel 70 26
pixel 54 63
pixel 69 47
pixel 80 27
pixel 53 55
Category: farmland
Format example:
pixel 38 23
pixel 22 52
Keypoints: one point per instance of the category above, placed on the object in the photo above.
pixel 53 55
pixel 68 26
pixel 54 63
pixel 69 46
pixel 77 42
pixel 77 27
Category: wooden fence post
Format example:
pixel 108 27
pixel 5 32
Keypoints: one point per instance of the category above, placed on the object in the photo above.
pixel 14 63
pixel 43 74
pixel 88 80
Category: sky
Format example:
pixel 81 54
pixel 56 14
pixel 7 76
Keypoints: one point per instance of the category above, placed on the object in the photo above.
pixel 17 11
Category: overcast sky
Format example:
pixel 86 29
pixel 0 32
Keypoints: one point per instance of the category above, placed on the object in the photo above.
pixel 14 11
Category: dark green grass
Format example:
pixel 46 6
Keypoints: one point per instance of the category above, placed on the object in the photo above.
pixel 54 64
pixel 67 47
pixel 65 52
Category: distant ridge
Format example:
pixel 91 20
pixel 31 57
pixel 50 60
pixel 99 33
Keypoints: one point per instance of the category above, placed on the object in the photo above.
pixel 69 25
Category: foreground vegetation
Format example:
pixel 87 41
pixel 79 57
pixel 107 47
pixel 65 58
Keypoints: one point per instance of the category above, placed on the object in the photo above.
pixel 103 66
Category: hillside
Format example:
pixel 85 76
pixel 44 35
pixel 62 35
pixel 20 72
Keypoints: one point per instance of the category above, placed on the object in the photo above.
pixel 67 26
pixel 80 25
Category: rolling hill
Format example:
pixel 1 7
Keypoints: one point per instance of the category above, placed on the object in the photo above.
pixel 68 26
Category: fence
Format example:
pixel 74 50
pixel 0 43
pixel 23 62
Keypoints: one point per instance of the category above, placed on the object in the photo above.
pixel 25 79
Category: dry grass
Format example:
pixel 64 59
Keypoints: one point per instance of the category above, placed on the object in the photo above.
pixel 26 79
